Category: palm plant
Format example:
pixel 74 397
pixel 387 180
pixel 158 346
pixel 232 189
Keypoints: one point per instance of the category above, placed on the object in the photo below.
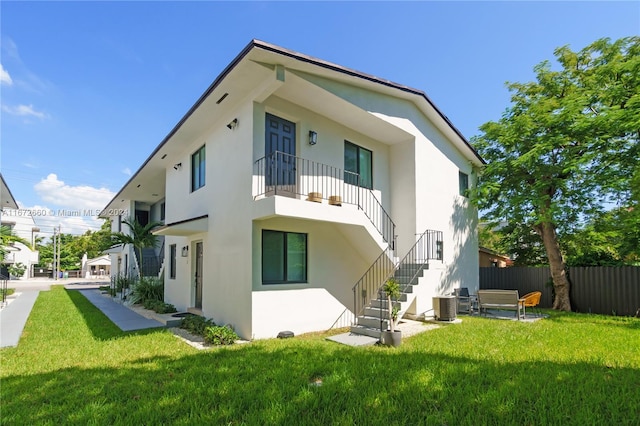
pixel 8 236
pixel 139 237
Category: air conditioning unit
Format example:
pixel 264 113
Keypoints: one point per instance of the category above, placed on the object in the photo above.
pixel 444 308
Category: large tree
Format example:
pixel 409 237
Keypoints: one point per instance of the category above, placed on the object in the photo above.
pixel 139 236
pixel 566 147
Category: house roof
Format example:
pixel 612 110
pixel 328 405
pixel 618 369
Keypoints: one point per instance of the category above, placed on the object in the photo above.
pixel 257 60
pixel 6 197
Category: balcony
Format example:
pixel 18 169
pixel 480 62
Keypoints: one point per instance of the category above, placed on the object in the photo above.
pixel 282 174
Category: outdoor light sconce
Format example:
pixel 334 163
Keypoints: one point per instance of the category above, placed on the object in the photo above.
pixel 233 124
pixel 313 137
pixel 177 166
pixel 185 251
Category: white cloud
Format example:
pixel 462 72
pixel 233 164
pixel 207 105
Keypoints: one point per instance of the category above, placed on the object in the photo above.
pixel 126 171
pixel 71 221
pixel 24 110
pixel 5 78
pixel 82 197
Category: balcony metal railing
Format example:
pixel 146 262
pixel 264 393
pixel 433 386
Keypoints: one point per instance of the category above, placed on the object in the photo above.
pixel 280 173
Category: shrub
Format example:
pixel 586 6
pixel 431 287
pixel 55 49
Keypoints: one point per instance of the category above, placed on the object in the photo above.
pixel 17 269
pixel 148 288
pixel 122 282
pixel 196 324
pixel 164 308
pixel 220 335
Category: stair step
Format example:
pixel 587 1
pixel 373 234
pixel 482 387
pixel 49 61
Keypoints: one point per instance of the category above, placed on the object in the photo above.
pixel 365 331
pixel 377 303
pixel 371 311
pixel 372 322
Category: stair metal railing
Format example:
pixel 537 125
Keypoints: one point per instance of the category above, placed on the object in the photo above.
pixel 369 285
pixel 429 246
pixel 280 173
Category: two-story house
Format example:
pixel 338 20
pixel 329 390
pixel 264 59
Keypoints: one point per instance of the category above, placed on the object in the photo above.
pixel 20 222
pixel 294 187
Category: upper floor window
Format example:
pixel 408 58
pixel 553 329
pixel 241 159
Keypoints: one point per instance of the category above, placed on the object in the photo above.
pixel 358 165
pixel 198 169
pixel 463 183
pixel 162 210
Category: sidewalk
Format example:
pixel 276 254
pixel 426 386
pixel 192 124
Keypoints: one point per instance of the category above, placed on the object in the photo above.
pixel 14 315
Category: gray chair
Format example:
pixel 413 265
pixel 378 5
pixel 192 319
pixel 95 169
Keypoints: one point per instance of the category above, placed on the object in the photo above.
pixel 464 300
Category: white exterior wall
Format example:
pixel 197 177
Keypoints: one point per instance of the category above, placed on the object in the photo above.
pixel 226 199
pixel 22 226
pixel 334 265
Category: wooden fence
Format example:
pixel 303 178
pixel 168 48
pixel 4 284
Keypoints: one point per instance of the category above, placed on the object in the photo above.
pixel 609 290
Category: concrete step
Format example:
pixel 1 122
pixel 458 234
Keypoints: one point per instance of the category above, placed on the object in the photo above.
pixel 377 303
pixel 365 331
pixel 372 322
pixel 370 311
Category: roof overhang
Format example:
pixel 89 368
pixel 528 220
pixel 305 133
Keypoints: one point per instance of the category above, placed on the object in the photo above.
pixel 256 73
pixel 184 228
pixel 6 197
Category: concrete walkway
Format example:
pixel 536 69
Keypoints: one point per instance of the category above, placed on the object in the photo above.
pixel 14 316
pixel 123 317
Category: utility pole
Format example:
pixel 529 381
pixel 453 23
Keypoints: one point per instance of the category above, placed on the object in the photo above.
pixel 59 245
pixel 54 266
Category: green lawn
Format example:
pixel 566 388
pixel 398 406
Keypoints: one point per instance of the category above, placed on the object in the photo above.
pixel 73 366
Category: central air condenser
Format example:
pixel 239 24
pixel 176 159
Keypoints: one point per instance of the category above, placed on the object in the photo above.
pixel 444 308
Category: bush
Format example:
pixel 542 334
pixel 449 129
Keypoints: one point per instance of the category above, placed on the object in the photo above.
pixel 196 324
pixel 165 308
pixel 122 282
pixel 220 335
pixel 148 288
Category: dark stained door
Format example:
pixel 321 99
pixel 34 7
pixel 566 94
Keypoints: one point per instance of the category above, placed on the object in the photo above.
pixel 280 152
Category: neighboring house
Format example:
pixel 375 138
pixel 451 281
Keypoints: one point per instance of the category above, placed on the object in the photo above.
pixel 292 177
pixel 489 258
pixel 22 225
pixel 98 267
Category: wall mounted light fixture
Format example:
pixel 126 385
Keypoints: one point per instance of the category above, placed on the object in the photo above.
pixel 185 251
pixel 313 137
pixel 233 124
pixel 177 166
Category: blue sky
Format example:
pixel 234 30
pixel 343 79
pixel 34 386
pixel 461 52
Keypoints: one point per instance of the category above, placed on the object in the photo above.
pixel 89 89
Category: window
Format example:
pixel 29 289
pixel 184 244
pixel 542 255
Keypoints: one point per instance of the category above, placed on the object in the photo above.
pixel 172 261
pixel 463 182
pixel 162 210
pixel 284 257
pixel 198 169
pixel 358 165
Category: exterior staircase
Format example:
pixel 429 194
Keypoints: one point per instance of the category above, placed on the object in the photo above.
pixel 372 315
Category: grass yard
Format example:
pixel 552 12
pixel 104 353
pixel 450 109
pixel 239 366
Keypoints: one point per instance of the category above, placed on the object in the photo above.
pixel 73 366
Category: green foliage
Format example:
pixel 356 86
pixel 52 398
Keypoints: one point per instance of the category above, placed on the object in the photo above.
pixel 7 237
pixel 567 146
pixel 17 269
pixel 138 236
pixel 148 288
pixel 10 291
pixel 220 335
pixel 159 306
pixel 122 282
pixel 93 243
pixel 195 324
pixel 74 366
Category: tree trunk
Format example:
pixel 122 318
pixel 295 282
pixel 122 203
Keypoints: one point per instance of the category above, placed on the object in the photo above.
pixel 556 263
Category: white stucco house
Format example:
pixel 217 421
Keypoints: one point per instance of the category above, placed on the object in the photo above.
pixel 294 187
pixel 22 225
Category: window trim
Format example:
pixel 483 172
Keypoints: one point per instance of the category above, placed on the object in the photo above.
pixel 305 280
pixel 358 149
pixel 200 154
pixel 173 254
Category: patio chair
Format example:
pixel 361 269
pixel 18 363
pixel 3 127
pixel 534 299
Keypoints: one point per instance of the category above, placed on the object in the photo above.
pixel 531 300
pixel 464 301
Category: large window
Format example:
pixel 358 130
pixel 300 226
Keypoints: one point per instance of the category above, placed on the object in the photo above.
pixel 463 182
pixel 172 261
pixel 358 165
pixel 284 257
pixel 198 169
